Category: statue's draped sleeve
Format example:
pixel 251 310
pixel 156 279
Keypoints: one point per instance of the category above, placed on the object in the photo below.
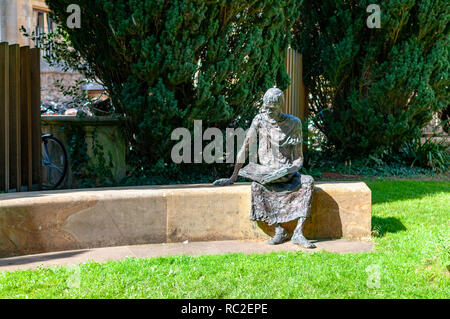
pixel 297 143
pixel 250 142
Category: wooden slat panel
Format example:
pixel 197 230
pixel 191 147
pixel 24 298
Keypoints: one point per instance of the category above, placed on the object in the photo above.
pixel 294 83
pixel 286 92
pixel 288 89
pixel 295 99
pixel 25 116
pixel 302 97
pixel 36 115
pixel 14 117
pixel 4 117
pixel 294 108
pixel 291 62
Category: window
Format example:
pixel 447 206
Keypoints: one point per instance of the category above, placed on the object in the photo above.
pixel 43 24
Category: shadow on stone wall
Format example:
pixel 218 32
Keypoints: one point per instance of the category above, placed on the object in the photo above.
pixel 323 223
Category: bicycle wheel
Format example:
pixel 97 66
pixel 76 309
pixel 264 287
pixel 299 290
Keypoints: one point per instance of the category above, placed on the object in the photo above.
pixel 54 162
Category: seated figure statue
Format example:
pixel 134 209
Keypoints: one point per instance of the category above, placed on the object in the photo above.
pixel 280 194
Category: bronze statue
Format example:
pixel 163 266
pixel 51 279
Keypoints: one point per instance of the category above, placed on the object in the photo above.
pixel 280 194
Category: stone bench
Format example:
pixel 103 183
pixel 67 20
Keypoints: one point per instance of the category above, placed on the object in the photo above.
pixel 76 219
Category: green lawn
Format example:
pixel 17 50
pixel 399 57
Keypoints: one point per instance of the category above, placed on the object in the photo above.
pixel 412 260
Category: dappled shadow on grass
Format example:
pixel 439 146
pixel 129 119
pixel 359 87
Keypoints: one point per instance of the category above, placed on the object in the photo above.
pixel 383 225
pixel 387 191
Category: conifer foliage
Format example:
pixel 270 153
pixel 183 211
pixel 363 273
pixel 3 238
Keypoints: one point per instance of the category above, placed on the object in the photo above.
pixel 168 62
pixel 372 89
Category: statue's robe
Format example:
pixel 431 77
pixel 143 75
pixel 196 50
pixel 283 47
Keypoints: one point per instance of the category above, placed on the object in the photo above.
pixel 279 145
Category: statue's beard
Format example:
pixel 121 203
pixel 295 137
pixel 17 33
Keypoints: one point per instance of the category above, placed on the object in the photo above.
pixel 273 112
pixel 274 115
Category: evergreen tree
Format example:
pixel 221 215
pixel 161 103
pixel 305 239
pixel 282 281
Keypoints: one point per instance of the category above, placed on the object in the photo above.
pixel 168 62
pixel 372 89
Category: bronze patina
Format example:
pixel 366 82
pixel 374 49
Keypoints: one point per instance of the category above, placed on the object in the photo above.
pixel 280 194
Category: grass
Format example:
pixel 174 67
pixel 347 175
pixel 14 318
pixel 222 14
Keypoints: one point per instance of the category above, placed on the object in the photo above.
pixel 412 260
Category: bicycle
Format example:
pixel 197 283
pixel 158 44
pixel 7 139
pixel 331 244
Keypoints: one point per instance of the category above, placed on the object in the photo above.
pixel 54 162
pixel 54 155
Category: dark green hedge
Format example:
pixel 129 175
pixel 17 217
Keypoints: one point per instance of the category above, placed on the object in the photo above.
pixel 149 52
pixel 371 90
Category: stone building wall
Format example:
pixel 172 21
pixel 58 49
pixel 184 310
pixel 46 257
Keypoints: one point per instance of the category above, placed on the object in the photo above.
pixel 49 76
pixel 49 92
pixel 17 13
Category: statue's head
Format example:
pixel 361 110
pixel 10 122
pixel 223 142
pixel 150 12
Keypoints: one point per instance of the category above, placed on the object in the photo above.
pixel 273 102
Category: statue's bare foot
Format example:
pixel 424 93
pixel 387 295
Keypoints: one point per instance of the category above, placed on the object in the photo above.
pixel 281 236
pixel 302 241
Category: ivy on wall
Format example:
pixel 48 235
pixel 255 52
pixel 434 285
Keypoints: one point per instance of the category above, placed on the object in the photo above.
pixel 88 171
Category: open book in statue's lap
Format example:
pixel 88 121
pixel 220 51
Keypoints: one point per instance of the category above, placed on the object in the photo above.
pixel 280 193
pixel 265 175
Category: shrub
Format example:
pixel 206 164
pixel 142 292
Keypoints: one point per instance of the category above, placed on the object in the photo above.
pixel 371 90
pixel 166 63
pixel 432 154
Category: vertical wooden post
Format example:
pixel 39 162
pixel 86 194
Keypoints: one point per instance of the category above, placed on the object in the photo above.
pixel 303 97
pixel 295 105
pixel 4 117
pixel 294 95
pixel 296 99
pixel 287 92
pixel 14 117
pixel 25 114
pixel 35 56
pixel 304 107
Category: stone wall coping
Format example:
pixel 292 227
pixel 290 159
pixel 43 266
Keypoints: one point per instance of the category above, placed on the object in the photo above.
pixel 60 220
pixel 61 119
pixel 67 196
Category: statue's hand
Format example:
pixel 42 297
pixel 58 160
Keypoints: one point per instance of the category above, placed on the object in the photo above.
pixel 223 182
